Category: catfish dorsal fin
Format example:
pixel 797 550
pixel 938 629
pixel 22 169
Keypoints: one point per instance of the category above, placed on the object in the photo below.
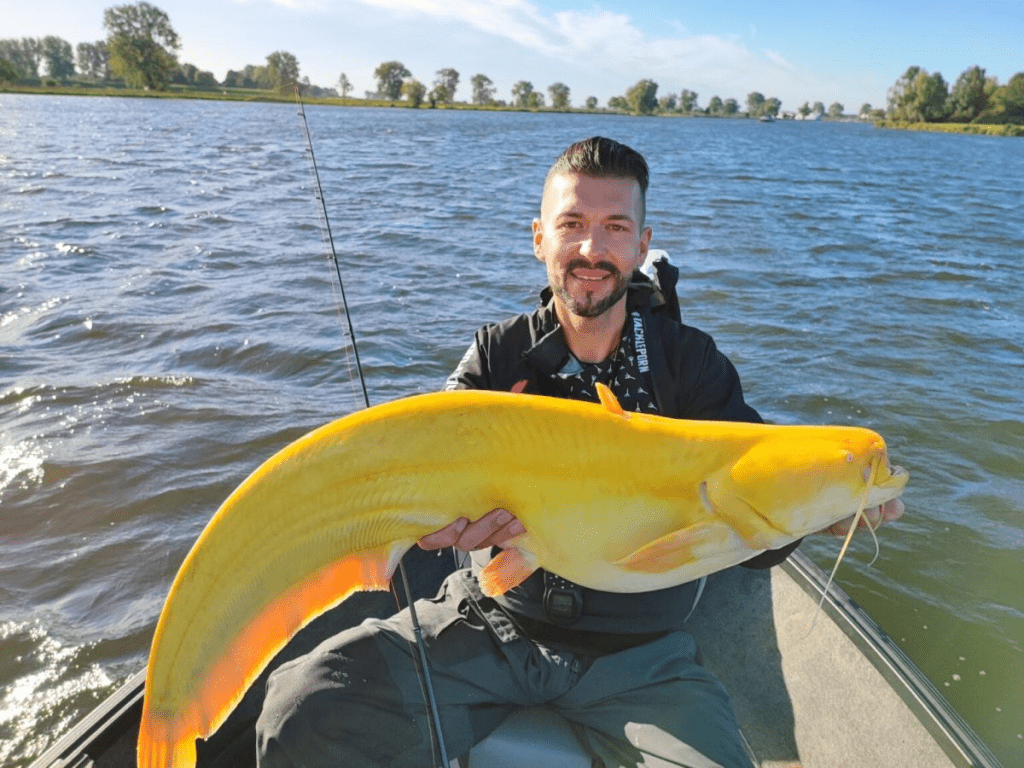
pixel 608 400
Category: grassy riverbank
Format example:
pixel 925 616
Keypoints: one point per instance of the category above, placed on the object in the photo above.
pixel 1006 129
pixel 253 94
pixel 182 92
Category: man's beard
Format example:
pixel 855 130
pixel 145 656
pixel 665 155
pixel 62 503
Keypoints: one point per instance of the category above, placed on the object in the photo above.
pixel 587 306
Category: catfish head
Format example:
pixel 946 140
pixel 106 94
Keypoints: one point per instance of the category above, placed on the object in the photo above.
pixel 799 480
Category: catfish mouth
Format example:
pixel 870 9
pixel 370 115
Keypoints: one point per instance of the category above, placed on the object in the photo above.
pixel 888 484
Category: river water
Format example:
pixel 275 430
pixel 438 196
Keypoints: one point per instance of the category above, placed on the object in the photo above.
pixel 168 319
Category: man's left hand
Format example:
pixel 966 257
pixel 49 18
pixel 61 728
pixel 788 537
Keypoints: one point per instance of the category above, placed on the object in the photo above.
pixel 492 530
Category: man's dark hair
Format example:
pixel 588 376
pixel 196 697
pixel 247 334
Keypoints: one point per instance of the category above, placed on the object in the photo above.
pixel 604 158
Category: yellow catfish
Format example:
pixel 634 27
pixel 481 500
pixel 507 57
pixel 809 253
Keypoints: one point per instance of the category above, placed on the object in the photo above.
pixel 612 500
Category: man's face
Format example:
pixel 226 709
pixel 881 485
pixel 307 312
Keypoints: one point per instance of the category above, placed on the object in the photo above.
pixel 591 237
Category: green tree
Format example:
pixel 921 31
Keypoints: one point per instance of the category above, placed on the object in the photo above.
pixel 932 95
pixel 483 89
pixel 667 103
pixel 771 106
pixel 970 95
pixel 687 100
pixel 251 76
pixel 9 54
pixel 93 60
pixel 390 76
pixel 142 44
pixel 715 105
pixel 1010 98
pixel 59 57
pixel 643 97
pixel 755 104
pixel 190 74
pixel 918 97
pixel 186 74
pixel 619 103
pixel 344 85
pixel 818 109
pixel 730 107
pixel 559 95
pixel 805 110
pixel 445 85
pixel 414 91
pixel 591 102
pixel 865 111
pixel 282 69
pixel 522 93
pixel 835 110
pixel 8 74
pixel 24 54
pixel 901 93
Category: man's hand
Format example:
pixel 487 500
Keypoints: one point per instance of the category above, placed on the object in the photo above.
pixel 873 517
pixel 492 530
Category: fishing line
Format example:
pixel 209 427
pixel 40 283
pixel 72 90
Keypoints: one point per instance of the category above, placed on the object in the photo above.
pixel 423 665
pixel 318 193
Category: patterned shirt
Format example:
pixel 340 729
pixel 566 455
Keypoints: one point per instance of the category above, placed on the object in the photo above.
pixel 621 373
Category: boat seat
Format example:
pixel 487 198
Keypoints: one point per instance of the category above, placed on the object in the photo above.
pixel 535 737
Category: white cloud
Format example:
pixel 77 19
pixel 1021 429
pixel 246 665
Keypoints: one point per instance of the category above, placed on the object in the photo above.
pixel 597 39
pixel 779 60
pixel 596 34
pixel 602 49
pixel 517 20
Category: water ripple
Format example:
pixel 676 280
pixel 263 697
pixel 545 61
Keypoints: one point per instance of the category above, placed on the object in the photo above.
pixel 168 319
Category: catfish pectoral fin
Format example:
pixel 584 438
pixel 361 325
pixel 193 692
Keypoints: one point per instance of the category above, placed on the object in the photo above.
pixel 506 570
pixel 675 549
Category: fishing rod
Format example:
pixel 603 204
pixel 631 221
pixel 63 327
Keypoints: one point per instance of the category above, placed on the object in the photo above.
pixel 423 666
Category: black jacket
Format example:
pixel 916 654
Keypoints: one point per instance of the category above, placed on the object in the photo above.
pixel 691 379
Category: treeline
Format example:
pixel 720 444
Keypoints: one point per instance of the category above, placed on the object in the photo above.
pixel 920 97
pixel 395 82
pixel 140 51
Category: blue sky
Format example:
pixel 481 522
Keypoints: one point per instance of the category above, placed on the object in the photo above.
pixel 850 52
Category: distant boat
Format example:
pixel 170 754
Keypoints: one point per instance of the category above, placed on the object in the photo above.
pixel 767 118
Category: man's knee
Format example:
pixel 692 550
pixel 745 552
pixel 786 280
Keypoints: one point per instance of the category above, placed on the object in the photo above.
pixel 334 700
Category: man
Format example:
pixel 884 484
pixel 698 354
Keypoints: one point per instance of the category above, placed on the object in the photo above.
pixel 619 667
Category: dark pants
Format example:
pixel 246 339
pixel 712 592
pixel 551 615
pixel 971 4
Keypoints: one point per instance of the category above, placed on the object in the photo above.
pixel 356 699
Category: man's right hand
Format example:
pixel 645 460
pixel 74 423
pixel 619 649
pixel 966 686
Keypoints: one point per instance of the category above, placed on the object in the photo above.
pixel 492 530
